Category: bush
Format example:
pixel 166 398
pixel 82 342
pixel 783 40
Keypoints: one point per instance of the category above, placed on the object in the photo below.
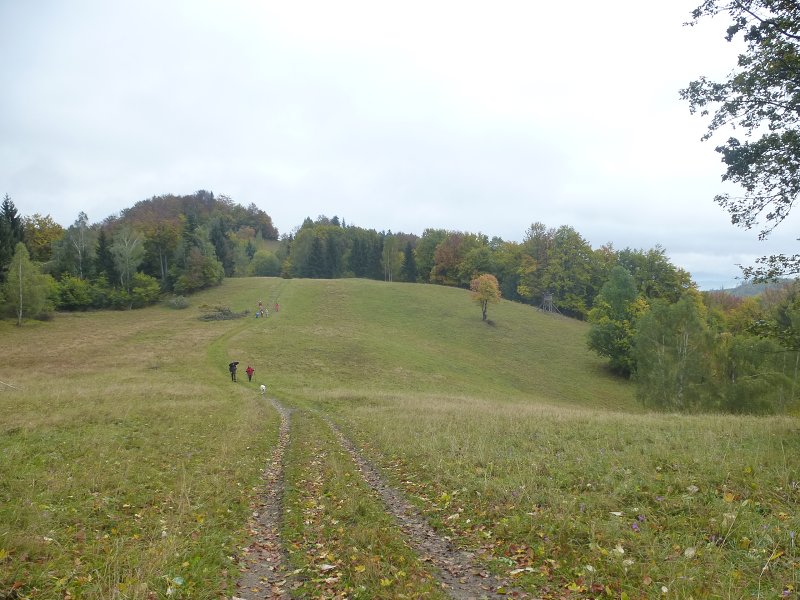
pixel 74 294
pixel 100 293
pixel 178 302
pixel 119 299
pixel 144 290
pixel 265 264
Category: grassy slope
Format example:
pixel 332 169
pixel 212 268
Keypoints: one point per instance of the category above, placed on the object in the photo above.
pixel 124 460
pixel 336 337
pixel 511 437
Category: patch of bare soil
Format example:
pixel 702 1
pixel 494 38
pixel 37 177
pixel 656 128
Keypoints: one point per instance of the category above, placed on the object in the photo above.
pixel 263 563
pixel 458 572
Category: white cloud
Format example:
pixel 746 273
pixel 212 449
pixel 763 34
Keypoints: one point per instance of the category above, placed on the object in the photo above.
pixel 399 116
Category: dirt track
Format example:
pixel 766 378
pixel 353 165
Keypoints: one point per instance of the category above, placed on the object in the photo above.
pixel 264 572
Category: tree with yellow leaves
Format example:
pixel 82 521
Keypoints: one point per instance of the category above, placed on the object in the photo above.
pixel 485 289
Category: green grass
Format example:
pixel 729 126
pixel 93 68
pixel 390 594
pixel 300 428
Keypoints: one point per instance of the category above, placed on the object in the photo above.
pixel 128 458
pixel 125 465
pixel 364 336
pixel 583 498
pixel 338 536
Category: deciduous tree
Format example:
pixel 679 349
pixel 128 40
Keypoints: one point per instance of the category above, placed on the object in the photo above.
pixel 613 317
pixel 671 349
pixel 425 250
pixel 485 289
pixel 128 252
pixel 265 264
pixel 26 289
pixel 655 276
pixel 761 99
pixel 74 252
pixel 41 233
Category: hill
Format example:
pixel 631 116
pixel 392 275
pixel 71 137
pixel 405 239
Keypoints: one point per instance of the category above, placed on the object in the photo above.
pixel 748 289
pixel 132 466
pixel 359 334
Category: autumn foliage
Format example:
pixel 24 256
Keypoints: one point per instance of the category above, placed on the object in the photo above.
pixel 485 289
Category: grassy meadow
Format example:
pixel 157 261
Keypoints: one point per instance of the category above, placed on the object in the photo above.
pixel 128 459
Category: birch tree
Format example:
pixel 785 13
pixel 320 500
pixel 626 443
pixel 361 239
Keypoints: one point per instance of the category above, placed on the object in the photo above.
pixel 671 352
pixel 26 289
pixel 128 253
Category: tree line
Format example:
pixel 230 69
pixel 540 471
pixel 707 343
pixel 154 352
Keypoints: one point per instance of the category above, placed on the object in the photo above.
pixel 555 261
pixel 708 351
pixel 166 244
pixel 182 244
pixel 687 350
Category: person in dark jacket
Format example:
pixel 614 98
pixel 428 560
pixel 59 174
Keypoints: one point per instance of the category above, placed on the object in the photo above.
pixel 232 369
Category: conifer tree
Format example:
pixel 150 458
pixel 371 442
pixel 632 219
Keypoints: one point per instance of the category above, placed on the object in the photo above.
pixel 11 233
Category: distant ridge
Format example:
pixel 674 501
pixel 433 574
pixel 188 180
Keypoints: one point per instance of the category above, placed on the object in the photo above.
pixel 746 290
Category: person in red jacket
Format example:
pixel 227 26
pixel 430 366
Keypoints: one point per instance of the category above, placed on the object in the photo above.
pixel 249 370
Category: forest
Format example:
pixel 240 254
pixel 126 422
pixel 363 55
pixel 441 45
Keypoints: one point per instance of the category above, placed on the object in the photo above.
pixel 687 350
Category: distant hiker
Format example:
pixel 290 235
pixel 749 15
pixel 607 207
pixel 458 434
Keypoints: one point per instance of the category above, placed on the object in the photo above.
pixel 277 307
pixel 249 370
pixel 232 369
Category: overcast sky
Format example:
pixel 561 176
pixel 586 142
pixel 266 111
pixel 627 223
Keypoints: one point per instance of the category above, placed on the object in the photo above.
pixel 473 116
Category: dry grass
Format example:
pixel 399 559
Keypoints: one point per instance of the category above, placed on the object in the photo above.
pixel 128 458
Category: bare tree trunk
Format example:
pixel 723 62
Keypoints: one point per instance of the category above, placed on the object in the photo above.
pixel 162 262
pixel 19 309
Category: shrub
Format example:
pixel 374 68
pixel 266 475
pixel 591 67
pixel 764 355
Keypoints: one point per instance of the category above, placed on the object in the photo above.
pixel 74 293
pixel 100 293
pixel 178 302
pixel 265 264
pixel 144 290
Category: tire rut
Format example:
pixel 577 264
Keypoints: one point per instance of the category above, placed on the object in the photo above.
pixel 458 572
pixel 263 563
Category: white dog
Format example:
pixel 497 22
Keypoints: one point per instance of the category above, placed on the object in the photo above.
pixel 263 389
